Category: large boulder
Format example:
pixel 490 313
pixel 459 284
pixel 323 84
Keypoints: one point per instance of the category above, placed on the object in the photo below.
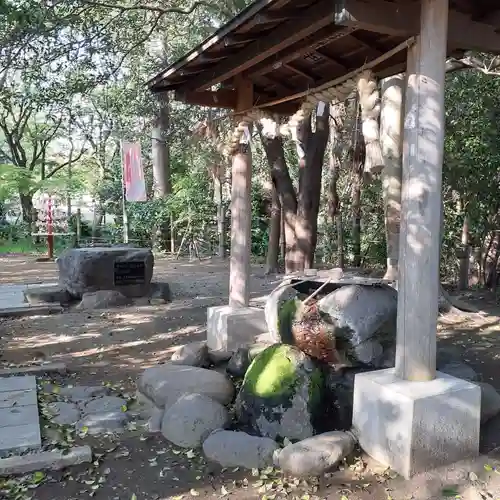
pixel 189 421
pixel 281 394
pixel 127 270
pixel 165 384
pixel 353 324
pixel 364 319
pixel 238 449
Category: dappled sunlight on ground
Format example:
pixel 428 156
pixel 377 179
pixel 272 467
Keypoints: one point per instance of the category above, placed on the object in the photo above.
pixel 116 345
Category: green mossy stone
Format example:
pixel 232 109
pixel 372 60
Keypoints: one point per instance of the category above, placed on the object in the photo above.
pixel 281 395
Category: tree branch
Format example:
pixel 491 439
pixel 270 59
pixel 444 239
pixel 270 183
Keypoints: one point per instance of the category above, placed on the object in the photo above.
pixel 151 8
pixel 66 163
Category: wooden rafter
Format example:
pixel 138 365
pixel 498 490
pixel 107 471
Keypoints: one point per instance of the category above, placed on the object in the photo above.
pixel 298 71
pixel 332 60
pixel 312 19
pixel 369 47
pixel 298 50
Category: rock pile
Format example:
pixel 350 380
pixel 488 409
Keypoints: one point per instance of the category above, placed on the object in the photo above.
pixel 285 404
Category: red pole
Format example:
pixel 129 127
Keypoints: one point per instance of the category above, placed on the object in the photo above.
pixel 50 236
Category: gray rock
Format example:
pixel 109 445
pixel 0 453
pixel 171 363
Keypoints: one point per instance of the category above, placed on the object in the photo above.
pixel 460 370
pixel 80 393
pixel 193 354
pixel 361 311
pixel 84 270
pixel 165 384
pixel 315 455
pixel 219 357
pixel 282 293
pixel 189 421
pixel 490 402
pixel 241 359
pixel 238 449
pixel 105 404
pixel 103 299
pixel 368 351
pixel 281 394
pixel 145 410
pixel 48 293
pixel 64 413
pixel 239 362
pixel 161 290
pixel 155 419
pixel 103 423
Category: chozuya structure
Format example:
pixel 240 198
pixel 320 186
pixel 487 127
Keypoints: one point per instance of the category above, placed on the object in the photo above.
pixel 286 57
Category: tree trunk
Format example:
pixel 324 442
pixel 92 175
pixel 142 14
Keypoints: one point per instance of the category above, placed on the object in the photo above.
pixel 464 256
pixel 273 249
pixel 161 162
pixel 491 261
pixel 217 177
pixel 391 124
pixel 273 147
pixel 338 115
pixel 26 206
pixel 357 158
pixel 282 233
pixel 313 144
pixel 340 241
pixel 356 216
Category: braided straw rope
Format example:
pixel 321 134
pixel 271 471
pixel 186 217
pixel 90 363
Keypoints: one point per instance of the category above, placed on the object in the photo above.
pixel 335 93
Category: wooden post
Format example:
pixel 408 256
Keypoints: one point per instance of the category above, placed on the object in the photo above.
pixel 418 289
pixel 241 209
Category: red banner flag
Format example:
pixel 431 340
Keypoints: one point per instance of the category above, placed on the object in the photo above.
pixel 133 173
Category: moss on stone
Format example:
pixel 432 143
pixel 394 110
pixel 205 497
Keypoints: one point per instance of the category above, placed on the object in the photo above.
pixel 272 372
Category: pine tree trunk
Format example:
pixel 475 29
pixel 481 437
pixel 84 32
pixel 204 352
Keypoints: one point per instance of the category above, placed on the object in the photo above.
pixel 391 123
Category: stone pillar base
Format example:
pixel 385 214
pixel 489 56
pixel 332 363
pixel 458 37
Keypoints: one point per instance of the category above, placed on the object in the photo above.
pixel 229 328
pixel 413 427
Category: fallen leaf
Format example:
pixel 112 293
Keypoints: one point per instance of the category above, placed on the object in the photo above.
pixel 38 477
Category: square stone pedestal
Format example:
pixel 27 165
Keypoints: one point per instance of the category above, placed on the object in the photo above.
pixel 413 427
pixel 229 327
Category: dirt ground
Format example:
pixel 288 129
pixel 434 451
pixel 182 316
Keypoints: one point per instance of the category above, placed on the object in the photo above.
pixel 115 346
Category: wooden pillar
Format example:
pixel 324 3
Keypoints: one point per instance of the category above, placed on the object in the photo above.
pixel 241 209
pixel 418 288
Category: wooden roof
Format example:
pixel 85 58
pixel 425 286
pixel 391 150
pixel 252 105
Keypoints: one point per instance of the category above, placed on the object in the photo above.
pixel 287 47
